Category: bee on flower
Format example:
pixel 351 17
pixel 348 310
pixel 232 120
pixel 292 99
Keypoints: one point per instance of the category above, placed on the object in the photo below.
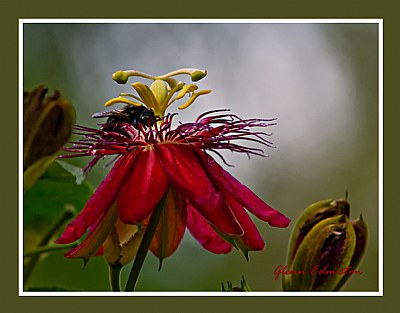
pixel 167 171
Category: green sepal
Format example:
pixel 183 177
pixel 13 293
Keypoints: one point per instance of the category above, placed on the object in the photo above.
pixel 93 241
pixel 235 241
pixel 122 244
pixel 361 231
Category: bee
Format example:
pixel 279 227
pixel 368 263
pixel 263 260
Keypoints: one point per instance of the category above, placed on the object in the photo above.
pixel 130 114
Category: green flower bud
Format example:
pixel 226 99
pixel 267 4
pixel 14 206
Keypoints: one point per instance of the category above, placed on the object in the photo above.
pixel 48 123
pixel 325 248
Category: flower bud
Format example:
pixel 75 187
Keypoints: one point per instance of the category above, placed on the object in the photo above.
pixel 325 248
pixel 48 123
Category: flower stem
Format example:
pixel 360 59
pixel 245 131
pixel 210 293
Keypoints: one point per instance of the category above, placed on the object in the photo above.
pixel 68 213
pixel 145 245
pixel 47 249
pixel 115 274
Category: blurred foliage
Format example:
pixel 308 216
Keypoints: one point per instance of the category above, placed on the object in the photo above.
pixel 48 205
pixel 45 201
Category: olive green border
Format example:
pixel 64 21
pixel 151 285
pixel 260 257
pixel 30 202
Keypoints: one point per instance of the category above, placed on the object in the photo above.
pixel 11 11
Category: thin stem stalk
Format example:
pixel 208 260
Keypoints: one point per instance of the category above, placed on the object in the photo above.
pixel 115 276
pixel 145 245
pixel 47 249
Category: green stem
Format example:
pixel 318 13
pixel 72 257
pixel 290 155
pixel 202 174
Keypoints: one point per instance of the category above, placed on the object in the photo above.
pixel 139 74
pixel 114 275
pixel 47 249
pixel 145 245
pixel 68 213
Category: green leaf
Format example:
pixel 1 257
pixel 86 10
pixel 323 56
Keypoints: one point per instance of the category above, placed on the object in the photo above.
pixel 45 201
pixel 73 170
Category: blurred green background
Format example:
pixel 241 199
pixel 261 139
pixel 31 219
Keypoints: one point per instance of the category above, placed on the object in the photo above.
pixel 319 80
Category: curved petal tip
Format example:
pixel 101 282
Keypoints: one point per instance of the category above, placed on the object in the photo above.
pixel 279 220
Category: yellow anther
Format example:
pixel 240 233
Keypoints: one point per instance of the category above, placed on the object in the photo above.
pixel 146 95
pixel 167 102
pixel 186 89
pixel 164 90
pixel 192 98
pixel 124 94
pixel 121 100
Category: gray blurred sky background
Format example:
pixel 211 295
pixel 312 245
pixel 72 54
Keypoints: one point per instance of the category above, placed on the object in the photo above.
pixel 319 80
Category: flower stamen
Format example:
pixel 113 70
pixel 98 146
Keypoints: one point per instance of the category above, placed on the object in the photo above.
pixel 211 131
pixel 162 92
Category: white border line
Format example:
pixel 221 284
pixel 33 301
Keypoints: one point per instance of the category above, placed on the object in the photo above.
pixel 20 157
pixel 380 232
pixel 203 294
pixel 201 21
